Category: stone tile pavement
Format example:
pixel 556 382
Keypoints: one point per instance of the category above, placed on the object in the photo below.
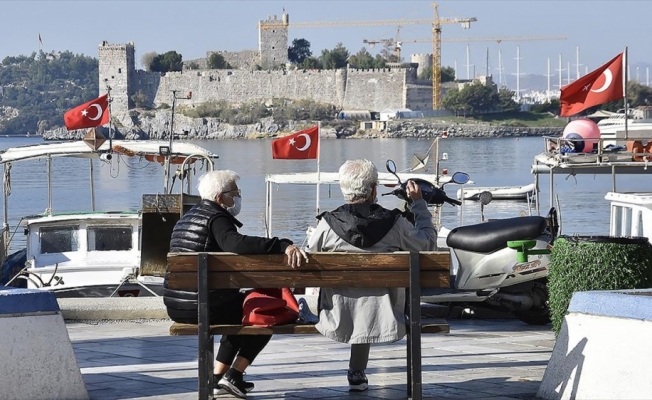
pixel 479 359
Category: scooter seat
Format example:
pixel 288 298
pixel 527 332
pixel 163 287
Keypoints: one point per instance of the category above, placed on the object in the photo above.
pixel 488 237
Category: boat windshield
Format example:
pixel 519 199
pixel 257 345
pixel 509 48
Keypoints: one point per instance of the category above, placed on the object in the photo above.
pixel 59 239
pixel 102 238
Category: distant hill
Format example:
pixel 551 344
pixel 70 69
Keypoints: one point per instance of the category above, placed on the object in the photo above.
pixel 36 90
pixel 539 82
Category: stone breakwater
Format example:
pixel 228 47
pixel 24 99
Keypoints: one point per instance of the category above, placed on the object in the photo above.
pixel 155 125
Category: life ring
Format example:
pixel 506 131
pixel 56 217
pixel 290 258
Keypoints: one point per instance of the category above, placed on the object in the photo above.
pixel 637 146
pixel 123 150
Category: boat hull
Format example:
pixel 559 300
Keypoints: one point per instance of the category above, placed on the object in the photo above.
pixel 498 193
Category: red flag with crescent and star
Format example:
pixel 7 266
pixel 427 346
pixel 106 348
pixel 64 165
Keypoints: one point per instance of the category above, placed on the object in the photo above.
pixel 598 87
pixel 301 145
pixel 88 115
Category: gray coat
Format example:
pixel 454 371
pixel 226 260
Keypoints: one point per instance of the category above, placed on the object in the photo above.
pixel 354 315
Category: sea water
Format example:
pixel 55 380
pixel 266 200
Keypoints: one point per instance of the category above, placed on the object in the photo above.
pixel 119 185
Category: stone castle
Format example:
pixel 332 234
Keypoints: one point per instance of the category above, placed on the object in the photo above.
pixel 347 88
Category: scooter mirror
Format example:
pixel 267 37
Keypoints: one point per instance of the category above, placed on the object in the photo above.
pixel 391 166
pixel 485 198
pixel 460 178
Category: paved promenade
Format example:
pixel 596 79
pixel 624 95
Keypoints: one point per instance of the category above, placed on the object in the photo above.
pixel 479 359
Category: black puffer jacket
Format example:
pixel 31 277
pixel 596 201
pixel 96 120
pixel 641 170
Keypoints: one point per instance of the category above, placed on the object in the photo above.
pixel 209 227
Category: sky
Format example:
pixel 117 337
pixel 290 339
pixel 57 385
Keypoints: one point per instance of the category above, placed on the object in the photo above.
pixel 601 29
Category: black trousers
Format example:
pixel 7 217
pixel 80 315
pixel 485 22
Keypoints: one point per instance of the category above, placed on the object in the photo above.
pixel 246 346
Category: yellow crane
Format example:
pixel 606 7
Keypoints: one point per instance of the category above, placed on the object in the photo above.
pixel 436 55
pixel 399 43
pixel 436 24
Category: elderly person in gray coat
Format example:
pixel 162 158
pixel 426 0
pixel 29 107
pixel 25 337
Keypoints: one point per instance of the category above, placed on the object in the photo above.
pixel 364 316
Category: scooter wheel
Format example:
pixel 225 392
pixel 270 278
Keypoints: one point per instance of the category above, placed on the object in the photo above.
pixel 539 314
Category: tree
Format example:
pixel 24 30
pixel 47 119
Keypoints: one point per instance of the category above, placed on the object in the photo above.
pixel 389 53
pixel 192 65
pixel 217 61
pixel 336 58
pixel 147 59
pixel 310 63
pixel 363 59
pixel 447 74
pixel 473 98
pixel 506 100
pixel 139 99
pixel 299 51
pixel 166 62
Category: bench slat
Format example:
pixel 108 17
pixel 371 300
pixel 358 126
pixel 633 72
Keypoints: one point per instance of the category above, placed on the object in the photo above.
pixel 177 329
pixel 187 262
pixel 299 279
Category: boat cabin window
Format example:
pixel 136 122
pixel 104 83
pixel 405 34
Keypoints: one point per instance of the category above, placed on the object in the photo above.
pixel 102 238
pixel 59 239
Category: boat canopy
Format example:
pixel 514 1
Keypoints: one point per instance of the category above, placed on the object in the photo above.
pixel 312 178
pixel 131 148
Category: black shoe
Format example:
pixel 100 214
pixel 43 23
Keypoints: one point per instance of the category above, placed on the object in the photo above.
pixel 233 383
pixel 357 381
pixel 217 390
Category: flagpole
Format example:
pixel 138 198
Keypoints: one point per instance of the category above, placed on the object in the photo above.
pixel 108 99
pixel 318 159
pixel 625 78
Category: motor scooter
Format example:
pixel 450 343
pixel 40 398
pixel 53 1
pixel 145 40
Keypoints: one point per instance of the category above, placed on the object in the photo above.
pixel 501 264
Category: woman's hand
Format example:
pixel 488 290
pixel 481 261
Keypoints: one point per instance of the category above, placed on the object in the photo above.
pixel 296 256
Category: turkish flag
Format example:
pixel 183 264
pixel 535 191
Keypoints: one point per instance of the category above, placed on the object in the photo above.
pixel 600 86
pixel 88 115
pixel 297 146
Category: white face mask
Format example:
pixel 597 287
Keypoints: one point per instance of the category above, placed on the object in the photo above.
pixel 235 208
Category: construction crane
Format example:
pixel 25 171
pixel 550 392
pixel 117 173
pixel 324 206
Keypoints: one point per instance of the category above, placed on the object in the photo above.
pixel 399 43
pixel 436 24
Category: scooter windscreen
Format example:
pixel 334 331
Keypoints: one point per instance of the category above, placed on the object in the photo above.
pixel 430 193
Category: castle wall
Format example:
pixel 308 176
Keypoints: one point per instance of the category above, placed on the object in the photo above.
pixel 349 89
pixel 116 69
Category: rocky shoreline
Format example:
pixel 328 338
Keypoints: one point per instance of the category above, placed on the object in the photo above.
pixel 154 125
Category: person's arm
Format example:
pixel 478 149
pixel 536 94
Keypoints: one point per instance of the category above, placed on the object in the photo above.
pixel 422 235
pixel 230 240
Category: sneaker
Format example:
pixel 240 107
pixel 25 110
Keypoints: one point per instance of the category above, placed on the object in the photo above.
pixel 357 381
pixel 217 390
pixel 233 384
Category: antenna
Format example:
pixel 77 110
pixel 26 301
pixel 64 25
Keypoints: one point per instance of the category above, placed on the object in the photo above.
pixel 549 75
pixel 647 76
pixel 560 70
pixel 577 62
pixel 487 65
pixel 500 68
pixel 518 73
pixel 568 78
pixel 468 63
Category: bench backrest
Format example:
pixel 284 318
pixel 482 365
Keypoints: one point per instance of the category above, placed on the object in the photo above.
pixel 333 269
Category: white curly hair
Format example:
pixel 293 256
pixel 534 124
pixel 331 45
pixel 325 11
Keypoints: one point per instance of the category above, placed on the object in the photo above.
pixel 357 180
pixel 215 182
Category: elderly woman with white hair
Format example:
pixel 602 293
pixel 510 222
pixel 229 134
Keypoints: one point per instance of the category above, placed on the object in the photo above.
pixel 210 225
pixel 364 316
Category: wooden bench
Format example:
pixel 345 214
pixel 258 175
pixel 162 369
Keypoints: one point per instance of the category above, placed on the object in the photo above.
pixel 202 272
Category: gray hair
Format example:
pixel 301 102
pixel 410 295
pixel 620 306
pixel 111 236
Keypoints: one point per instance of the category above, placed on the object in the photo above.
pixel 215 182
pixel 357 179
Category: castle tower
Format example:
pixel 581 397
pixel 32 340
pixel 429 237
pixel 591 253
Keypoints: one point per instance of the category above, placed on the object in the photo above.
pixel 424 61
pixel 117 69
pixel 273 41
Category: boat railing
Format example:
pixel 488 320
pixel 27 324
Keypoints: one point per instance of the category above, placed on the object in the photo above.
pixel 637 151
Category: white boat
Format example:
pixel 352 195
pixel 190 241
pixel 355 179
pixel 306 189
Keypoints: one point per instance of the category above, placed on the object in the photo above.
pixel 631 213
pixel 88 253
pixel 498 193
pixel 612 128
